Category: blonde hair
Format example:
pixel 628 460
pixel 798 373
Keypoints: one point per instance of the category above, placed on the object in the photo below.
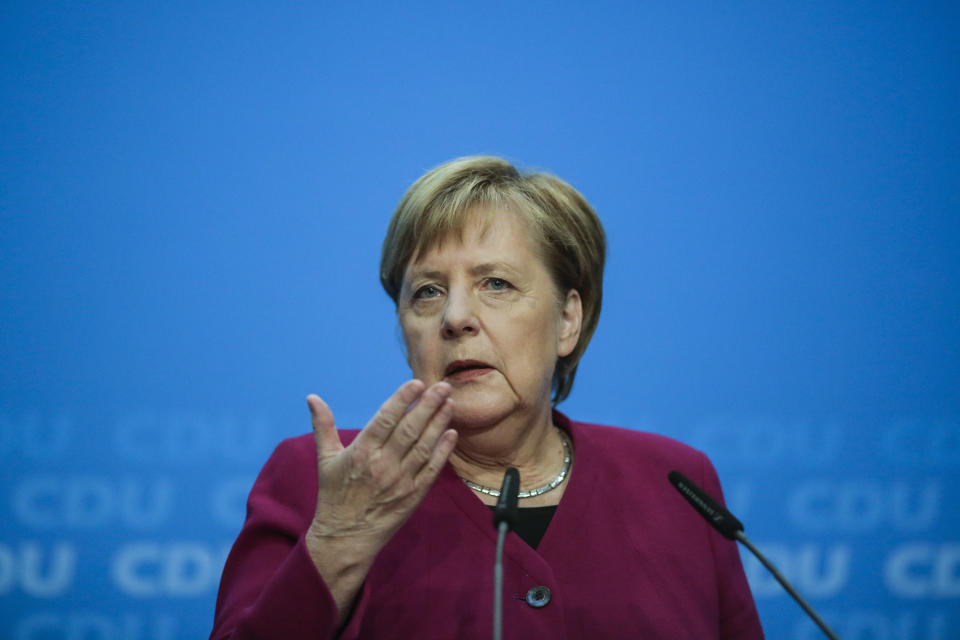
pixel 567 231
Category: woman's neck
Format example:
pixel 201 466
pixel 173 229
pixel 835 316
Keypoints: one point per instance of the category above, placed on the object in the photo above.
pixel 535 449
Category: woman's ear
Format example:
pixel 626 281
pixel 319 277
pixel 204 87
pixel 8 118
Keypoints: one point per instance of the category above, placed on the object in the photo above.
pixel 571 316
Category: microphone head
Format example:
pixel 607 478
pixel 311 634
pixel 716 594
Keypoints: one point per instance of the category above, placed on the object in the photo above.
pixel 506 509
pixel 711 510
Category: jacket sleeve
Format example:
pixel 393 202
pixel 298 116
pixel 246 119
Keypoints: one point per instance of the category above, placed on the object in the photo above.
pixel 738 612
pixel 270 587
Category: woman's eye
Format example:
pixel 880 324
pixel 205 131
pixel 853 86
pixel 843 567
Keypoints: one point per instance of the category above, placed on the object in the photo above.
pixel 427 291
pixel 498 284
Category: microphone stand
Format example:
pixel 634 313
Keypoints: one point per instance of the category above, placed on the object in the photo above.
pixel 502 529
pixel 731 528
pixel 786 585
pixel 504 519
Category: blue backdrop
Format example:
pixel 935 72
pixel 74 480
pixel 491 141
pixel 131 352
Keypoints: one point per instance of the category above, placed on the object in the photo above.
pixel 193 197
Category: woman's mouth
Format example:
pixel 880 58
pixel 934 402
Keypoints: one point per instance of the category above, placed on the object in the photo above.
pixel 464 370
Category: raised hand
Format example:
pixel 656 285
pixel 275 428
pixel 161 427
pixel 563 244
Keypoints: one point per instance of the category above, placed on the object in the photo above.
pixel 370 488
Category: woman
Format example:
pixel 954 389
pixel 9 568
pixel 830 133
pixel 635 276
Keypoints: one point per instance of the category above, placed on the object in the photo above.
pixel 386 532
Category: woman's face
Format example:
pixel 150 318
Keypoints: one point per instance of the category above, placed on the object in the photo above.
pixel 484 315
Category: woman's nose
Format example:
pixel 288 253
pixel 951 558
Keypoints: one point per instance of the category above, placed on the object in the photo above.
pixel 459 318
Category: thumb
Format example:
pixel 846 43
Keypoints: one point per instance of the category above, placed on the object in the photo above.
pixel 324 429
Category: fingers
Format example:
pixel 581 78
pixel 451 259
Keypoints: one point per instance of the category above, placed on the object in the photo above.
pixel 410 430
pixel 410 435
pixel 438 457
pixel 378 430
pixel 420 450
pixel 324 428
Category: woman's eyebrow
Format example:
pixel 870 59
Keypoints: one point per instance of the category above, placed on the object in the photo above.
pixel 491 267
pixel 417 274
pixel 482 269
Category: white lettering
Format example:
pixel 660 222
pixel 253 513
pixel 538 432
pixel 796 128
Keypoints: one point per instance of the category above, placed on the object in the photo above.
pixel 130 566
pixel 228 502
pixel 82 625
pixel 922 444
pixel 756 443
pixel 876 625
pixel 41 625
pixel 84 502
pixel 864 505
pixel 182 569
pixel 924 570
pixel 192 438
pixel 815 571
pixel 39 571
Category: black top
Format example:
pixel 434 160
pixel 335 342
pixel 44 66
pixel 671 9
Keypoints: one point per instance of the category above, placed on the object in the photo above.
pixel 532 523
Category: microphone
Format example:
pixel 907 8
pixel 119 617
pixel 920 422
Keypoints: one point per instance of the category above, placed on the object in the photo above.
pixel 712 511
pixel 724 522
pixel 506 509
pixel 504 519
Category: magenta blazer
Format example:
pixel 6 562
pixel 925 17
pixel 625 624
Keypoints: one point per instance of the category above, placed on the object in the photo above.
pixel 624 557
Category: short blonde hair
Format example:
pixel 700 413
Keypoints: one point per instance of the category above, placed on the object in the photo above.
pixel 568 233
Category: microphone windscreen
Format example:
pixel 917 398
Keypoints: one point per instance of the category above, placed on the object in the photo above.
pixel 711 510
pixel 506 509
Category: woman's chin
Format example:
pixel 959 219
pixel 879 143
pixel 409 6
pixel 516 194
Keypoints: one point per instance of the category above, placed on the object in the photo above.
pixel 475 414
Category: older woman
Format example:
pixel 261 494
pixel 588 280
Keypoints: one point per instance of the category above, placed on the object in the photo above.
pixel 385 532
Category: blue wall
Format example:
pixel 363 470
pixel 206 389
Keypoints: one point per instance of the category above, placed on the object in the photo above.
pixel 192 198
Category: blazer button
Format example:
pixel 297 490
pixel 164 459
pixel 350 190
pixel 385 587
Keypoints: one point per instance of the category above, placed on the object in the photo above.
pixel 538 597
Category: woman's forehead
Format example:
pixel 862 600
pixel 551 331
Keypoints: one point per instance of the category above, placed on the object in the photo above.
pixel 497 231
